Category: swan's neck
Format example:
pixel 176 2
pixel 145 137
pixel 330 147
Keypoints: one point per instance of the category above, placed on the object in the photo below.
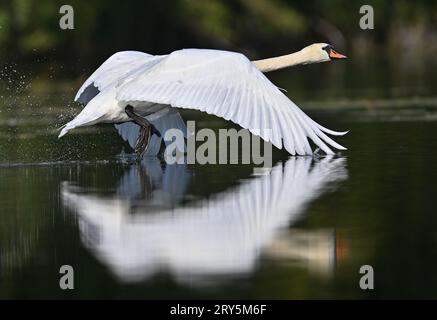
pixel 288 60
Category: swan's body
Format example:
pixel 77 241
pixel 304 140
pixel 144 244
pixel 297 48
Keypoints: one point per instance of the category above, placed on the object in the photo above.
pixel 222 83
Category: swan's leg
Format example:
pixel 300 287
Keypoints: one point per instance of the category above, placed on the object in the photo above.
pixel 145 133
pixel 143 140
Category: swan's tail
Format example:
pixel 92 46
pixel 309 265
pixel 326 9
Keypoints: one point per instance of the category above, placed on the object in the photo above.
pixel 81 120
pixel 65 128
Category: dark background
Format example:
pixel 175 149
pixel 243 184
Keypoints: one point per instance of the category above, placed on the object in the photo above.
pixel 404 31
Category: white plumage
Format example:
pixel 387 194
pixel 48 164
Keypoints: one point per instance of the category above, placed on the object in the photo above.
pixel 222 83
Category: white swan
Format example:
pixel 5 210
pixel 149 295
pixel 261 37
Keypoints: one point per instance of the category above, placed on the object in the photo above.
pixel 138 87
pixel 136 234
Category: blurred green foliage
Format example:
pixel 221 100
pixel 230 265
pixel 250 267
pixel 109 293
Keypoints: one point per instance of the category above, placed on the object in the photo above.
pixel 30 28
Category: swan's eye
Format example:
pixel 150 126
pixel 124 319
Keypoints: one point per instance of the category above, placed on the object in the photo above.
pixel 328 48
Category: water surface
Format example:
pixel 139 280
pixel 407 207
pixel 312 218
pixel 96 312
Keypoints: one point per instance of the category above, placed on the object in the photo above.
pixel 150 230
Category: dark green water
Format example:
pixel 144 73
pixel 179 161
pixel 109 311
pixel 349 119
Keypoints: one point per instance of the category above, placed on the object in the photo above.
pixel 151 230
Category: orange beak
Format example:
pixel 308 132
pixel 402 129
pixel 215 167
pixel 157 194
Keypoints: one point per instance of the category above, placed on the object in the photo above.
pixel 335 55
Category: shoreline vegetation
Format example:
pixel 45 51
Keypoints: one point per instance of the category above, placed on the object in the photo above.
pixel 404 31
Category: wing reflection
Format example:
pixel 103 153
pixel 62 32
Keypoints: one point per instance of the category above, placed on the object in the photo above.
pixel 136 236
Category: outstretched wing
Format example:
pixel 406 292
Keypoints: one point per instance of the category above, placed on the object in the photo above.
pixel 115 67
pixel 228 85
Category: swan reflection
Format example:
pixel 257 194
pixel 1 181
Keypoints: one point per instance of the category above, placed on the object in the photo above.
pixel 147 227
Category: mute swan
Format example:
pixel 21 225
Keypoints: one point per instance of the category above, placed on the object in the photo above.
pixel 137 91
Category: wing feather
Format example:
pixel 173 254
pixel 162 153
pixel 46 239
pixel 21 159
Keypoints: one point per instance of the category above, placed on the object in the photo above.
pixel 228 85
pixel 114 68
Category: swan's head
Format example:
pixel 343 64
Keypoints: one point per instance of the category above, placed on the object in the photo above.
pixel 321 52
